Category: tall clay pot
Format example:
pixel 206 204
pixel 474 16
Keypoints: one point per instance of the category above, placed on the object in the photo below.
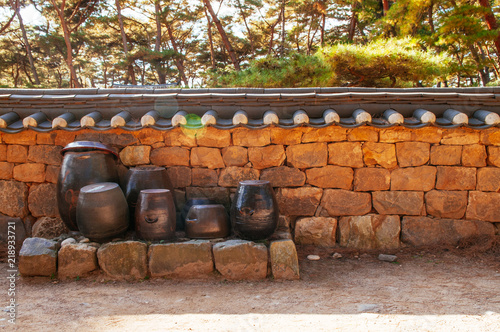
pixel 102 211
pixel 83 163
pixel 254 212
pixel 145 177
pixel 155 215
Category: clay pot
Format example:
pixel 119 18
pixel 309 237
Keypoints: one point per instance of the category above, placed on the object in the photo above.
pixel 84 163
pixel 181 222
pixel 145 177
pixel 254 212
pixel 207 222
pixel 155 215
pixel 102 211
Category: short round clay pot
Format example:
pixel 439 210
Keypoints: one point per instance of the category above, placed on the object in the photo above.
pixel 102 211
pixel 181 222
pixel 144 177
pixel 207 222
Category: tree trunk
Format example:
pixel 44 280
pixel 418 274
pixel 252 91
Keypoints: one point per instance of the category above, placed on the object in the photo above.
pixel 323 22
pixel 491 22
pixel 497 73
pixel 69 49
pixel 223 35
pixel 250 36
pixel 283 31
pixel 430 13
pixel 210 40
pixel 352 24
pixel 159 69
pixel 130 66
pixel 178 61
pixel 385 4
pixel 105 72
pixel 16 7
pixel 485 78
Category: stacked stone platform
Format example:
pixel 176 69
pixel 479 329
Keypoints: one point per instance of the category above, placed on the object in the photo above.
pixel 133 260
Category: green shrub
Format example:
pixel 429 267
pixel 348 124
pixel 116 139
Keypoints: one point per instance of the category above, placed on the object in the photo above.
pixel 382 63
pixel 385 62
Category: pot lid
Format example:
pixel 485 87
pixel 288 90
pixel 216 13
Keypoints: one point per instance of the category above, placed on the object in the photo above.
pixel 88 146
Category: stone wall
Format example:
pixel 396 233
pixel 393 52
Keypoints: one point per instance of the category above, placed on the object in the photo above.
pixel 364 187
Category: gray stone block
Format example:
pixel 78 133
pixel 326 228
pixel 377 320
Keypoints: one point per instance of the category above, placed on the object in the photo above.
pixel 241 260
pixel 76 260
pixel 284 260
pixel 123 260
pixel 38 257
pixel 192 259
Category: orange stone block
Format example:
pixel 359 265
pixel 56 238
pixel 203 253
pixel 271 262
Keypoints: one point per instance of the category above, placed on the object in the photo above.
pixel 213 137
pixel 25 137
pixel 17 153
pixel 412 153
pixel 282 136
pixel 46 138
pixel 135 155
pixel 307 155
pixel 326 134
pixel 251 137
pixel 460 136
pixel 383 154
pixel 30 173
pixel 395 134
pixel 206 157
pixel 456 178
pixel 474 155
pixel 429 134
pixel 3 152
pixel 180 137
pixel 372 179
pixel 63 137
pixel 363 133
pixel 488 179
pixel 149 136
pixel 6 170
pixel 235 156
pixel 490 136
pixel 170 156
pixel 330 177
pixel 345 154
pixel 421 178
pixel 266 157
pixel 447 155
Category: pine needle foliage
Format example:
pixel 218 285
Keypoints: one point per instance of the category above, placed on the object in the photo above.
pixel 381 63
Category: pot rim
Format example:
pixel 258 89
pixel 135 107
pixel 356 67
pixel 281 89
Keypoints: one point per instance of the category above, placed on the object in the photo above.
pixel 88 146
pixel 254 182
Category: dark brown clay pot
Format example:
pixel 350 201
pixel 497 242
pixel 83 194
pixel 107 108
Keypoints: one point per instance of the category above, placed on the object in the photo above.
pixel 145 177
pixel 155 215
pixel 181 222
pixel 254 212
pixel 102 211
pixel 84 163
pixel 207 222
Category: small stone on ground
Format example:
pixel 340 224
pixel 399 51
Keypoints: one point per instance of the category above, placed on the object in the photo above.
pixel 368 307
pixel 313 257
pixel 387 258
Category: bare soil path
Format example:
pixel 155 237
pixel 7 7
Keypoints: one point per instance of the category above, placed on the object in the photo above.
pixel 424 291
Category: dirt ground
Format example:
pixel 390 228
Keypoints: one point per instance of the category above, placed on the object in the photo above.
pixel 454 290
